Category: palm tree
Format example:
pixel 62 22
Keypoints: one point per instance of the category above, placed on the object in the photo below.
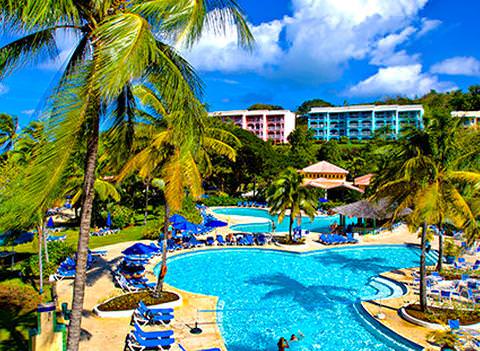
pixel 117 43
pixel 177 152
pixel 8 132
pixel 288 193
pixel 428 182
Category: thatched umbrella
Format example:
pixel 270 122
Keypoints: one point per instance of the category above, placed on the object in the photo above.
pixel 382 209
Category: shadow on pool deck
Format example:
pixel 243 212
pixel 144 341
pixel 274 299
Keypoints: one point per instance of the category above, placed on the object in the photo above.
pixel 309 297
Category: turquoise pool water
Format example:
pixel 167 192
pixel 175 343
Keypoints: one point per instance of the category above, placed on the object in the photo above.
pixel 268 294
pixel 319 224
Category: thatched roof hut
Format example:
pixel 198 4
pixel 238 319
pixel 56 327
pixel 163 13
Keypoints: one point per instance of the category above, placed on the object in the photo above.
pixel 367 209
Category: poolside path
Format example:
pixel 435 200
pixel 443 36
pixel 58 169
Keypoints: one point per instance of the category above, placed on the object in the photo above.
pixel 104 334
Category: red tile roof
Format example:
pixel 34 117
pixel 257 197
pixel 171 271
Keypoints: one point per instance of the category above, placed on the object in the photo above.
pixel 364 180
pixel 324 167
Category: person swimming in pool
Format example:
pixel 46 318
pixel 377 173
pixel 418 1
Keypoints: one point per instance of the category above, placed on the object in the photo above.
pixel 297 338
pixel 282 344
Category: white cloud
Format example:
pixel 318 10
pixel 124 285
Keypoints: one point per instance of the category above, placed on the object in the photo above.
pixel 427 26
pixel 385 52
pixel 406 80
pixel 28 112
pixel 66 41
pixel 3 89
pixel 320 39
pixel 460 65
pixel 216 52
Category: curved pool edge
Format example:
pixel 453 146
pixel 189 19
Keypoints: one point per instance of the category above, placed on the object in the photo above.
pixel 377 326
pixel 386 331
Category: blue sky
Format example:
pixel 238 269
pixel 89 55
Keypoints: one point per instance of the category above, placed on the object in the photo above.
pixel 337 50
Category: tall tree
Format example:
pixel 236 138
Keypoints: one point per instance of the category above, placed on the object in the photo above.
pixel 178 153
pixel 8 132
pixel 288 193
pixel 422 176
pixel 117 43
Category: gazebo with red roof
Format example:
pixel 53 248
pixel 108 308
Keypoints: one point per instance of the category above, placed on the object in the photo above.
pixel 326 175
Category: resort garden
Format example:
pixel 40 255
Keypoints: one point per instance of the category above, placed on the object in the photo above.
pixel 125 168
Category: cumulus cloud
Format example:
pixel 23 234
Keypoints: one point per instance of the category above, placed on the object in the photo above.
pixel 28 112
pixel 3 89
pixel 385 53
pixel 216 52
pixel 66 41
pixel 427 26
pixel 408 80
pixel 459 65
pixel 316 43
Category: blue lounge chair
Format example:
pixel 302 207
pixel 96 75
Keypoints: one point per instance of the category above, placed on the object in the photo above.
pixel 210 241
pixel 163 334
pixel 454 324
pixel 214 349
pixel 261 239
pixel 220 240
pixel 145 308
pixel 136 343
pixel 249 240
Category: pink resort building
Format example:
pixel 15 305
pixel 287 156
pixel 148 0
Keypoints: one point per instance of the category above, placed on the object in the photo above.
pixel 267 125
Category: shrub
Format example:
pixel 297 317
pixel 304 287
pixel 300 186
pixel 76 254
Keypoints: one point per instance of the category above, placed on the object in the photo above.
pixel 57 252
pixel 17 297
pixel 222 200
pixel 122 216
pixel 152 230
pixel 130 301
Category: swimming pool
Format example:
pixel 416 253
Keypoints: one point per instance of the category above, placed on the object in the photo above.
pixel 266 294
pixel 319 224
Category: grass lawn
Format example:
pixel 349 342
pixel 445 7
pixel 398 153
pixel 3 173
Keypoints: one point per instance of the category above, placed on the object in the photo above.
pixel 128 234
pixel 18 303
pixel 16 317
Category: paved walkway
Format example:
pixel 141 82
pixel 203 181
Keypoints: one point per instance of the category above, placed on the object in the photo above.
pixel 109 334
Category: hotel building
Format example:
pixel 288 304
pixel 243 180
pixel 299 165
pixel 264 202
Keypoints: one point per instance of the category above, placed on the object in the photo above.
pixel 267 125
pixel 360 122
pixel 470 118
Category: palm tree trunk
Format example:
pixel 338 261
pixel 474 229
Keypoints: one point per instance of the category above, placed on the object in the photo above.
pixel 82 248
pixel 440 248
pixel 160 279
pixel 423 270
pixel 147 188
pixel 45 244
pixel 290 226
pixel 40 260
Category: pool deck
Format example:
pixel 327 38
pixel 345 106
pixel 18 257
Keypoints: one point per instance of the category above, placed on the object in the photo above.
pixel 109 333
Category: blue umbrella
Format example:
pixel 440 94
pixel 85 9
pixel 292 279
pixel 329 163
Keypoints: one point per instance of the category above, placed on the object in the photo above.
pixel 176 218
pixel 138 249
pixel 323 200
pixel 109 220
pixel 188 227
pixel 215 224
pixel 50 223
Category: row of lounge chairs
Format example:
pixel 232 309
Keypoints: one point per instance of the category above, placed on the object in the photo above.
pixel 129 274
pixel 335 239
pixel 104 232
pixel 67 269
pixel 52 238
pixel 141 340
pixel 252 204
pixel 241 239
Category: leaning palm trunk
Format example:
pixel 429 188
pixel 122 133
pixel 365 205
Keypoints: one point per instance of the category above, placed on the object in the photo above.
pixel 423 270
pixel 440 248
pixel 160 278
pixel 147 188
pixel 45 245
pixel 82 248
pixel 40 260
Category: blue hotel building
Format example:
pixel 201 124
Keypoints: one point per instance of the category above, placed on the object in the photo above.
pixel 360 122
